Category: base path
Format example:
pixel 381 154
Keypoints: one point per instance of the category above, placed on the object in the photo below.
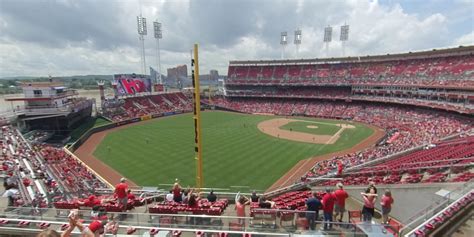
pixel 272 128
pixel 303 166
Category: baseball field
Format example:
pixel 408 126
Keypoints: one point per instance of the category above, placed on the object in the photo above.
pixel 238 149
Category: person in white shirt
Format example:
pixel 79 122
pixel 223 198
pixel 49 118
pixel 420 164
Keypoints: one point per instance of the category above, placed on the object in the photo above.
pixel 169 196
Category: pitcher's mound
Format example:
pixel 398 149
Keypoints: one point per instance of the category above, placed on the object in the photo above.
pixel 312 126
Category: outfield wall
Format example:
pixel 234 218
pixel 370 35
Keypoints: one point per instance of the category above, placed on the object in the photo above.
pixel 91 131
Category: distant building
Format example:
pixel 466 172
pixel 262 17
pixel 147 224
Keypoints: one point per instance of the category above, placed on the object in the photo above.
pixel 180 71
pixel 178 74
pixel 213 75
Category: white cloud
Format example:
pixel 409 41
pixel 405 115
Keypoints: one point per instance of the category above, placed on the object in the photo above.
pixel 467 39
pixel 225 30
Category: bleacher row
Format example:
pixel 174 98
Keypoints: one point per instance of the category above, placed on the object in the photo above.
pixel 204 208
pixel 344 93
pixel 442 163
pixel 415 126
pixel 24 170
pixel 135 107
pixel 42 175
pixel 441 70
pixel 443 217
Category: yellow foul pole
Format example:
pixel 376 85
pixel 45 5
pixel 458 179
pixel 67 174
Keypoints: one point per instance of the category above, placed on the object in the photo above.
pixel 197 119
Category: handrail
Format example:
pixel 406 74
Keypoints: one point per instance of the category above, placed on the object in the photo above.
pixel 146 228
pixel 417 217
pixel 379 160
pixel 435 215
pixel 414 168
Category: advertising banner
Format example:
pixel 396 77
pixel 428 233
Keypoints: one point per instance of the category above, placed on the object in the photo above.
pixel 131 84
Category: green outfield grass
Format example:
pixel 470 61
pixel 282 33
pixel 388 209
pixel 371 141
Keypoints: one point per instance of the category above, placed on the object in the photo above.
pixel 236 153
pixel 324 128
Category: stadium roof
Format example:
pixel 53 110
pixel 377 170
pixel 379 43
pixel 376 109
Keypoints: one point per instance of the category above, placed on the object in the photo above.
pixel 461 50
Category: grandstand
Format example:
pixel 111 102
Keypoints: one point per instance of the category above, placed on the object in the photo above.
pixel 423 101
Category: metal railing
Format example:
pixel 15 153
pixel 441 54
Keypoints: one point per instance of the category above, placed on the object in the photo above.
pixel 412 232
pixel 436 207
pixel 263 222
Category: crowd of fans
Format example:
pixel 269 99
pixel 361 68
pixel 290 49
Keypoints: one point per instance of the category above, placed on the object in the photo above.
pixel 448 161
pixel 136 107
pixel 40 176
pixel 414 126
pixel 344 93
pixel 307 205
pixel 441 70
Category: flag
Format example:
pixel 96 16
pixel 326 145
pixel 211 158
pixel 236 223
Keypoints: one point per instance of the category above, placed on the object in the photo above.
pixel 153 74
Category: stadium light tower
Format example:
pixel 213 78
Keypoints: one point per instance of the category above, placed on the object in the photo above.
pixel 158 36
pixel 344 37
pixel 142 31
pixel 327 38
pixel 297 41
pixel 283 42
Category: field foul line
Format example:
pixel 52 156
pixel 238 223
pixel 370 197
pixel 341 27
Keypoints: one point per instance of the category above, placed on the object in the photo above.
pixel 308 160
pixel 301 166
pixel 335 135
pixel 337 125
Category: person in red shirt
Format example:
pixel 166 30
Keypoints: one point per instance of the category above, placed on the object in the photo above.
pixel 130 195
pixel 91 201
pixel 121 193
pixel 340 167
pixel 328 207
pixel 386 203
pixel 341 196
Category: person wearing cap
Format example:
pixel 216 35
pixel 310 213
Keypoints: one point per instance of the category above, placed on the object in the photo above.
pixel 341 196
pixel 121 193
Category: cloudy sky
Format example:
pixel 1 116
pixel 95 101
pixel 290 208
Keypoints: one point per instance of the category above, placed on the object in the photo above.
pixel 79 37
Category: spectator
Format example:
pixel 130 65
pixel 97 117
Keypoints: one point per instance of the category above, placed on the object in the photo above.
pixel 193 199
pixel 340 167
pixel 185 196
pixel 372 185
pixel 240 207
pixel 177 191
pixel 369 197
pixel 328 208
pixel 73 223
pixel 312 207
pixel 211 197
pixel 95 228
pixel 386 203
pixel 169 196
pixel 130 196
pixel 11 194
pixel 254 197
pixel 121 193
pixel 339 207
pixel 264 203
pixel 193 202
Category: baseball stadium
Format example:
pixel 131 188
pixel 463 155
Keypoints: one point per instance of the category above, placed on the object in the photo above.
pixel 360 145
